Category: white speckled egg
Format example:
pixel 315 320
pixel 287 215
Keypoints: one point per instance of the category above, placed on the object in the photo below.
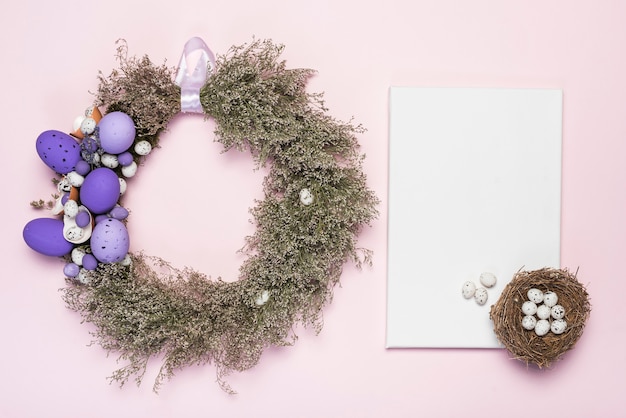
pixel 481 296
pixel 550 299
pixel 535 295
pixel 558 326
pixel 143 147
pixel 263 298
pixel 542 327
pixel 84 276
pixel 557 312
pixel 306 197
pixel 109 160
pixel 88 126
pixel 77 255
pixel 123 185
pixel 529 322
pixel 77 122
pixel 75 179
pixel 543 312
pixel 64 186
pixel 130 170
pixel 127 261
pixel 70 208
pixel 529 308
pixel 74 233
pixel 468 289
pixel 488 279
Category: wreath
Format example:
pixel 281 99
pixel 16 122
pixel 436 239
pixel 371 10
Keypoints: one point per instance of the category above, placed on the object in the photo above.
pixel 315 203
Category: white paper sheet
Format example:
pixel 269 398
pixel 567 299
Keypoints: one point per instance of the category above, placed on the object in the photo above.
pixel 474 186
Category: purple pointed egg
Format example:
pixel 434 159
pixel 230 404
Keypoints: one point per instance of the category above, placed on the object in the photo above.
pixel 45 235
pixel 119 213
pixel 71 270
pixel 100 190
pixel 109 241
pixel 58 150
pixel 125 159
pixel 90 262
pixel 83 219
pixel 82 167
pixel 116 132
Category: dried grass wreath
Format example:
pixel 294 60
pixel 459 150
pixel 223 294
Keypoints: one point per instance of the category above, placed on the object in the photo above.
pixel 315 203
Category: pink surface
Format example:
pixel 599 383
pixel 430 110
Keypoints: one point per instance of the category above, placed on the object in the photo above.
pixel 52 53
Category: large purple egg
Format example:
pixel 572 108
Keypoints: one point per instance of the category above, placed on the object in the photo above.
pixel 58 150
pixel 45 235
pixel 109 241
pixel 116 132
pixel 100 190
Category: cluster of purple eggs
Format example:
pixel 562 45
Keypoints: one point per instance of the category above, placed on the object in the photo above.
pixel 88 223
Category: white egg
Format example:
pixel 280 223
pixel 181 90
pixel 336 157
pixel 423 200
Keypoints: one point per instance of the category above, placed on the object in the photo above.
pixel 488 279
pixel 262 298
pixel 74 233
pixel 75 179
pixel 64 186
pixel 481 296
pixel 143 147
pixel 543 312
pixel 468 289
pixel 88 126
pixel 77 122
pixel 70 208
pixel 306 197
pixel 558 326
pixel 123 185
pixel 130 170
pixel 529 307
pixel 550 299
pixel 84 276
pixel 89 111
pixel 535 295
pixel 109 160
pixel 77 256
pixel 529 322
pixel 542 327
pixel 557 312
pixel 127 261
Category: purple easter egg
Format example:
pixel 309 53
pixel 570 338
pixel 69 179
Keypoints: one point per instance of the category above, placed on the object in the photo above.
pixel 116 132
pixel 58 150
pixel 119 213
pixel 100 190
pixel 83 219
pixel 71 270
pixel 82 167
pixel 110 241
pixel 45 235
pixel 90 262
pixel 125 159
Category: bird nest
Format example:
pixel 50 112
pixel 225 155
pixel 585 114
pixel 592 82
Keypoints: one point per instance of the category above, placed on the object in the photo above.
pixel 526 345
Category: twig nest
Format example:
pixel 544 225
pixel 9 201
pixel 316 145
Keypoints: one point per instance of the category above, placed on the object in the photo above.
pixel 516 330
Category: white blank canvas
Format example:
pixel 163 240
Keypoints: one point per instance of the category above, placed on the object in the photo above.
pixel 474 186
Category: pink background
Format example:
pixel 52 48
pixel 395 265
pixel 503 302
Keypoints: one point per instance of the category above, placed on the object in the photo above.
pixel 189 204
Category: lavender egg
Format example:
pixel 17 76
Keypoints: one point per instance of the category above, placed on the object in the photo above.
pixel 90 262
pixel 116 132
pixel 100 190
pixel 119 213
pixel 58 150
pixel 45 235
pixel 109 241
